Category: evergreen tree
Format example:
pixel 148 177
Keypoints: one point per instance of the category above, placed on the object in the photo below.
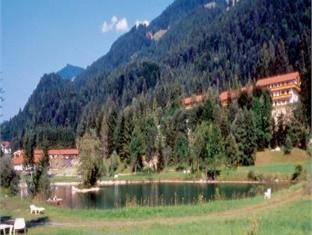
pixel 111 126
pixel 29 145
pixel 244 132
pixel 104 136
pixel 231 151
pixel 281 61
pixel 119 139
pixel 262 108
pixel 137 149
pixel 181 151
pixel 281 130
pixel 214 147
pixel 287 145
pixel 150 137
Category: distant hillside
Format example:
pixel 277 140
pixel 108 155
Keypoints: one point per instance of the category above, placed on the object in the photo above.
pixel 203 47
pixel 70 72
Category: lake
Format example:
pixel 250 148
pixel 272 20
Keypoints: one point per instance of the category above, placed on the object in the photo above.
pixel 153 194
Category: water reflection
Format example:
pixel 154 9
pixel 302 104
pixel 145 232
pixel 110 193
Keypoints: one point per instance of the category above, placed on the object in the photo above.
pixel 117 196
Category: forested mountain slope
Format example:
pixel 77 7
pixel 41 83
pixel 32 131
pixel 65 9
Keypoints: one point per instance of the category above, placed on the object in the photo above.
pixel 70 72
pixel 201 47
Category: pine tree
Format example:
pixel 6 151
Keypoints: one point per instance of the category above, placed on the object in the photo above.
pixel 137 148
pixel 214 148
pixel 181 151
pixel 119 137
pixel 281 130
pixel 262 108
pixel 281 60
pixel 287 145
pixel 243 130
pixel 29 145
pixel 104 136
pixel 231 151
pixel 111 126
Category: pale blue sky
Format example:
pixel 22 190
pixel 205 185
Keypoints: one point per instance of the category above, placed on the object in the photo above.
pixel 42 36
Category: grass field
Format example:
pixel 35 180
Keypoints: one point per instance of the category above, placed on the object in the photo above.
pixel 269 164
pixel 289 212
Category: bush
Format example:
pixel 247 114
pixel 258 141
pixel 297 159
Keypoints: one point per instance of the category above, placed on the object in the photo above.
pixel 38 183
pixel 8 176
pixel 253 176
pixel 297 173
pixel 307 186
pixel 309 150
pixel 114 163
pixel 287 145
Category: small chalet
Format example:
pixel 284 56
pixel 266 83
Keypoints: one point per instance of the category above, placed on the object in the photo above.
pixel 227 96
pixel 192 101
pixel 58 158
pixel 18 160
pixel 5 147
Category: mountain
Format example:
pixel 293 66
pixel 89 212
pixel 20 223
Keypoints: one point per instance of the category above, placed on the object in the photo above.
pixel 199 47
pixel 70 72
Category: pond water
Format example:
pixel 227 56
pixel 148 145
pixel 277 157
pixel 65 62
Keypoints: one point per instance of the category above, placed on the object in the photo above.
pixel 153 194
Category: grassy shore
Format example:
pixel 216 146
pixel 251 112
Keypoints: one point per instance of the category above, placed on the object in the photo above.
pixel 288 212
pixel 269 165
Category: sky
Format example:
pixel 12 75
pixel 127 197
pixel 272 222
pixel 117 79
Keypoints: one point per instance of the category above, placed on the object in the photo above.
pixel 42 36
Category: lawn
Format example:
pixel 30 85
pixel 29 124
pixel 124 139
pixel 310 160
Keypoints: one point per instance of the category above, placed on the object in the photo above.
pixel 289 212
pixel 269 164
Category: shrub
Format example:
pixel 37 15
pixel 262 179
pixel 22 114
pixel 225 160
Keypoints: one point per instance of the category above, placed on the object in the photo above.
pixel 307 186
pixel 8 176
pixel 251 175
pixel 309 150
pixel 297 173
pixel 287 145
pixel 38 183
pixel 114 163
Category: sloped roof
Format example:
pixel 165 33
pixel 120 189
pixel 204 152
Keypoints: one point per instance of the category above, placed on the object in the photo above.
pixel 278 78
pixel 63 151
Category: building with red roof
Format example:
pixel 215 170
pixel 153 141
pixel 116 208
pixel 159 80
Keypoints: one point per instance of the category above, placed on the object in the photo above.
pixel 58 158
pixel 284 89
pixel 192 101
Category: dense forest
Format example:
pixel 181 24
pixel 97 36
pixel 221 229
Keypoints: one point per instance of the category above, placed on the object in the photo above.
pixel 128 101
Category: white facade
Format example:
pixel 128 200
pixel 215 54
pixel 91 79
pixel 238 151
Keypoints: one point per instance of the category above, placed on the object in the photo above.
pixel 294 96
pixel 18 167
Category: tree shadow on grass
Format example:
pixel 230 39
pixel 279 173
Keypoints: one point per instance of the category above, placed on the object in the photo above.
pixel 4 219
pixel 42 220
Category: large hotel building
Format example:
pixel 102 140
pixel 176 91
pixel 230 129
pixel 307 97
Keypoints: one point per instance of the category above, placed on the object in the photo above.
pixel 284 90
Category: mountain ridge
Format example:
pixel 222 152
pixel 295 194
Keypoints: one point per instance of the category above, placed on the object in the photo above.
pixel 202 48
pixel 70 72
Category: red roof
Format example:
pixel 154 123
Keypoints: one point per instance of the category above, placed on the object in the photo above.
pixel 6 143
pixel 278 78
pixel 38 155
pixel 187 100
pixel 225 95
pixel 193 99
pixel 18 157
pixel 63 152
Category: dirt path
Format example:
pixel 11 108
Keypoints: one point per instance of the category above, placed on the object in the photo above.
pixel 250 210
